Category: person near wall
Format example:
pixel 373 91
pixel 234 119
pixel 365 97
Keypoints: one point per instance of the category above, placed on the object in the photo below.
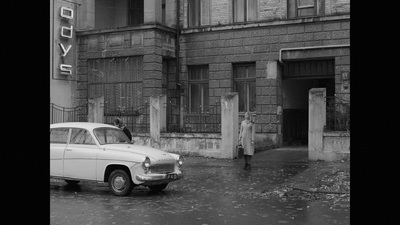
pixel 246 139
pixel 118 123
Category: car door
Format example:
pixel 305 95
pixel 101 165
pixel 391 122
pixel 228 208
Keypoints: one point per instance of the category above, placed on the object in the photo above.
pixel 58 143
pixel 80 155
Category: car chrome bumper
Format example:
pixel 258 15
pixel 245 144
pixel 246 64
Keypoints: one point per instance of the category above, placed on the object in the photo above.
pixel 159 177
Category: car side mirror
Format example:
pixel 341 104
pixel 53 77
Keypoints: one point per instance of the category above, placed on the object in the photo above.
pixel 132 142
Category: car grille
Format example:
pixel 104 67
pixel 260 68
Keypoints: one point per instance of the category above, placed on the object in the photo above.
pixel 162 168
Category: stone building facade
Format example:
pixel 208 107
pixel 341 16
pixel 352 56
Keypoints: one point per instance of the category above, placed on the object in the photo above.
pixel 273 44
pixel 271 51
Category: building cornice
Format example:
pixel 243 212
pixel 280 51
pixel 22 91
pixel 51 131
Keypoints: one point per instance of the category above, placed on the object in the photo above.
pixel 265 24
pixel 125 29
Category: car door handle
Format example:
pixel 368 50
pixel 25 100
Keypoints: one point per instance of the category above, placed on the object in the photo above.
pixel 68 149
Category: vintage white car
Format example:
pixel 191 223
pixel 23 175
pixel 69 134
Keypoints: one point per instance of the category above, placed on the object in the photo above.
pixel 103 153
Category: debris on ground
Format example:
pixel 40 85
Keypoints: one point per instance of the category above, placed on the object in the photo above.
pixel 323 181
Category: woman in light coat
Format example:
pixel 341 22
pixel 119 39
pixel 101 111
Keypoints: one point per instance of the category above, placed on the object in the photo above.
pixel 246 138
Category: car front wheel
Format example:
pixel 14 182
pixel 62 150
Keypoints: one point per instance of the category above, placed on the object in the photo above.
pixel 120 183
pixel 158 188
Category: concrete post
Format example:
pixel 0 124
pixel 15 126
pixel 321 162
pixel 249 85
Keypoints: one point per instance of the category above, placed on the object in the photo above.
pixel 274 76
pixel 96 110
pixel 316 122
pixel 163 113
pixel 229 124
pixel 158 119
pixel 182 111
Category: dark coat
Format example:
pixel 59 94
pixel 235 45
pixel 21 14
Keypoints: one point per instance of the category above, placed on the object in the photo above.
pixel 127 132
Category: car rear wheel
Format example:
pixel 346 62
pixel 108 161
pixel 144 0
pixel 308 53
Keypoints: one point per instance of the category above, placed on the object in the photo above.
pixel 158 188
pixel 72 182
pixel 120 183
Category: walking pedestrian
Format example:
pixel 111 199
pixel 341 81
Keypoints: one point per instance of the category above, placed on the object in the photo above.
pixel 246 138
pixel 118 123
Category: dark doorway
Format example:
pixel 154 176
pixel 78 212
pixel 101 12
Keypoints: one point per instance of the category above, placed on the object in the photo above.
pixel 298 78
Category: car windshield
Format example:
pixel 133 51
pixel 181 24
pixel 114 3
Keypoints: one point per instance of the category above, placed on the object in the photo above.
pixel 107 135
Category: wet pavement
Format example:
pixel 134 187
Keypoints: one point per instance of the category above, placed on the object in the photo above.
pixel 213 191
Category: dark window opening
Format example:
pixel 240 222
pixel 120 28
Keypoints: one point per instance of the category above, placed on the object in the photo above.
pixel 135 12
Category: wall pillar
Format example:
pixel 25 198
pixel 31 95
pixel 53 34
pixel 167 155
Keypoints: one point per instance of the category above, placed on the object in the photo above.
pixel 96 110
pixel 274 102
pixel 316 122
pixel 158 119
pixel 229 124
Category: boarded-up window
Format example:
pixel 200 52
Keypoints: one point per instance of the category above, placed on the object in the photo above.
pixel 244 77
pixel 198 89
pixel 244 10
pixel 305 8
pixel 199 12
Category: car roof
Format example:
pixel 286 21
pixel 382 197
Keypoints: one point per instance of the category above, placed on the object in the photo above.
pixel 85 125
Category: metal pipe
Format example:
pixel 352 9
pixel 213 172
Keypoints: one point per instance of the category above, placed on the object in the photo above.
pixel 177 49
pixel 312 47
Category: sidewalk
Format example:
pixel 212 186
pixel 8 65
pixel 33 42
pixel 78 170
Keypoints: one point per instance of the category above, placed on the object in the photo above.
pixel 315 179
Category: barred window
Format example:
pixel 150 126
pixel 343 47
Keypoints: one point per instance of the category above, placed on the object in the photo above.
pixel 119 80
pixel 198 89
pixel 244 82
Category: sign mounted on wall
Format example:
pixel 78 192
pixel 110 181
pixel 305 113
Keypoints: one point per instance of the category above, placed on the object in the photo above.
pixel 66 34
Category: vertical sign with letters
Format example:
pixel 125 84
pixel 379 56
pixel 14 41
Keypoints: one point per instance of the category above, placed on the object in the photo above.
pixel 66 34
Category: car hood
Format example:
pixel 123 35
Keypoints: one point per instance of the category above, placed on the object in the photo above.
pixel 153 153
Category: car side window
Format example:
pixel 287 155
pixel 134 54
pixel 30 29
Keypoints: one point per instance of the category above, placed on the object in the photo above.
pixel 106 136
pixel 59 135
pixel 81 136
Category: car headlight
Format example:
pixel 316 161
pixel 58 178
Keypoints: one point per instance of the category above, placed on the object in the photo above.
pixel 180 161
pixel 146 164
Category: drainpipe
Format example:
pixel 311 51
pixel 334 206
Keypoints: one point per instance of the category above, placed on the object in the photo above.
pixel 307 48
pixel 178 85
pixel 177 43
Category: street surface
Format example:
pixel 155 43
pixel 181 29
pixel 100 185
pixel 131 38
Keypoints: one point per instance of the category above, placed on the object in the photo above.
pixel 213 191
